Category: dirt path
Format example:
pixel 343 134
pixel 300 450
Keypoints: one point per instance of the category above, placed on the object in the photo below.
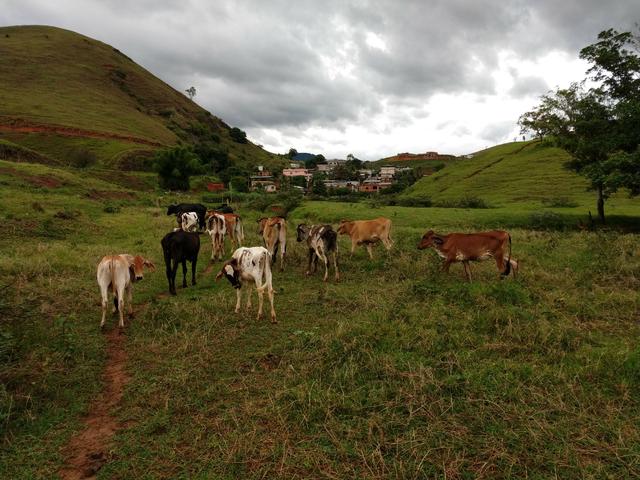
pixel 21 126
pixel 87 452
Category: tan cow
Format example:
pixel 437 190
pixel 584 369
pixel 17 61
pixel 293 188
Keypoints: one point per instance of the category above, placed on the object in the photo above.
pixel 233 227
pixel 367 233
pixel 118 272
pixel 466 247
pixel 274 234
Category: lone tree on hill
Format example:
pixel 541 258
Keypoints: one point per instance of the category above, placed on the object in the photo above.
pixel 598 126
pixel 238 135
pixel 191 92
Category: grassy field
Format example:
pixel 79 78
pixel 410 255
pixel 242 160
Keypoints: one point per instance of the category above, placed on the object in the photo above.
pixel 398 371
pixel 55 77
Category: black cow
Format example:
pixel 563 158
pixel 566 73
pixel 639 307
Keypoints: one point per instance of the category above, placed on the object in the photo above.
pixel 181 208
pixel 178 247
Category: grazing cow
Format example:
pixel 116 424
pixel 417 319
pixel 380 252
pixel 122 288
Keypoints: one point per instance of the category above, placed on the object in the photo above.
pixel 181 208
pixel 188 222
pixel 178 247
pixel 118 272
pixel 224 208
pixel 234 227
pixel 466 247
pixel 367 233
pixel 274 234
pixel 216 228
pixel 322 241
pixel 250 265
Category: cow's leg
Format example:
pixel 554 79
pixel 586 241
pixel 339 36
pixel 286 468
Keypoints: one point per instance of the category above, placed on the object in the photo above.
pixel 282 253
pixel 369 250
pixel 502 265
pixel 260 298
pixel 387 242
pixel 353 248
pixel 467 269
pixel 335 265
pixel 174 273
pixel 273 311
pixel 104 293
pixel 324 258
pixel 249 294
pixel 312 254
pixel 130 300
pixel 184 273
pixel 193 271
pixel 121 306
pixel 213 249
pixel 446 265
pixel 238 298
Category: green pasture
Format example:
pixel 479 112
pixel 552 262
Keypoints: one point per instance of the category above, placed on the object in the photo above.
pixel 397 371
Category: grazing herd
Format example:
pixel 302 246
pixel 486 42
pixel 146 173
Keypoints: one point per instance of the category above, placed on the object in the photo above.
pixel 252 265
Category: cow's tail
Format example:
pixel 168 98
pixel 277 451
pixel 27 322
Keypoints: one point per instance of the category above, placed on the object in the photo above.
pixel 239 231
pixel 507 268
pixel 332 240
pixel 266 265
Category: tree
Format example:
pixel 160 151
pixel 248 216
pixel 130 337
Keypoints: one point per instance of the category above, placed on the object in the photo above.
pixel 191 92
pixel 599 126
pixel 292 153
pixel 318 186
pixel 319 159
pixel 239 184
pixel 175 166
pixel 238 135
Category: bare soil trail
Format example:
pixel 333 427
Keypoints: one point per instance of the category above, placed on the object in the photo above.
pixel 87 452
pixel 22 126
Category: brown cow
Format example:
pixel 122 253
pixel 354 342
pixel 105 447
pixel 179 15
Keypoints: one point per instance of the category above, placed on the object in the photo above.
pixel 234 228
pixel 274 234
pixel 466 247
pixel 367 232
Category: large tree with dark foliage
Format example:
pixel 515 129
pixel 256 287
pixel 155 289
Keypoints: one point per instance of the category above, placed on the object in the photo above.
pixel 175 166
pixel 599 126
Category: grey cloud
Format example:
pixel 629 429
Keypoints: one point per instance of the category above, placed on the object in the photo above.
pixel 528 86
pixel 497 132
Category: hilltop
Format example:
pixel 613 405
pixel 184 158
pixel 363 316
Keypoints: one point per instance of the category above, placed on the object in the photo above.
pixel 512 173
pixel 63 93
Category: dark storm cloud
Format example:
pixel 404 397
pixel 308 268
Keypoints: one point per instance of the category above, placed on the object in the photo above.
pixel 278 64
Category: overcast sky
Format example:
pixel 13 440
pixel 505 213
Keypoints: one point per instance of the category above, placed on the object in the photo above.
pixel 371 78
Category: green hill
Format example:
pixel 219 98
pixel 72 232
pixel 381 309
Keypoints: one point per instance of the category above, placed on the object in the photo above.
pixel 63 93
pixel 513 173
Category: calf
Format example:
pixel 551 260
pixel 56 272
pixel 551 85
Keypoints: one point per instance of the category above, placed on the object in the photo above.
pixel 466 247
pixel 119 272
pixel 178 247
pixel 322 241
pixel 180 208
pixel 234 227
pixel 188 221
pixel 367 233
pixel 274 234
pixel 250 265
pixel 216 228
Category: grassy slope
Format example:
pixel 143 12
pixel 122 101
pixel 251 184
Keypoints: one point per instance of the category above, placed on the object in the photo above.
pixel 396 371
pixel 54 76
pixel 513 173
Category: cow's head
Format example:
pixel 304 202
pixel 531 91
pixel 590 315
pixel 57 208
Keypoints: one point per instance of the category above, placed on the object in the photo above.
pixel 302 232
pixel 137 265
pixel 430 239
pixel 261 224
pixel 231 271
pixel 345 227
pixel 172 210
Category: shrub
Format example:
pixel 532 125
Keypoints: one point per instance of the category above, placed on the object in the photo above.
pixel 464 202
pixel 415 202
pixel 559 202
pixel 547 221
pixel 82 158
pixel 111 208
pixel 238 135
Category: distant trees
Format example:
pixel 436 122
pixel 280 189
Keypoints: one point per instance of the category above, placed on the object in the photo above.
pixel 175 166
pixel 191 92
pixel 598 126
pixel 238 135
pixel 292 153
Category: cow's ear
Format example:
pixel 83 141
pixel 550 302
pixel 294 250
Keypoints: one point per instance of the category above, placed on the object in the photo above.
pixel 149 264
